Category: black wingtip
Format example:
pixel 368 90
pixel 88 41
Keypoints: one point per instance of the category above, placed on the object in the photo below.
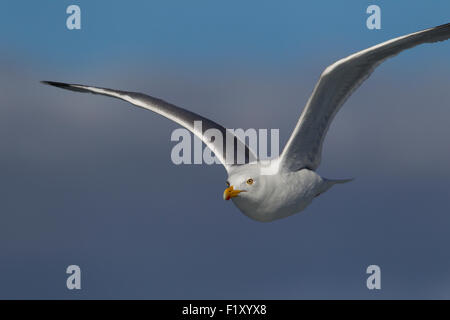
pixel 56 84
pixel 67 86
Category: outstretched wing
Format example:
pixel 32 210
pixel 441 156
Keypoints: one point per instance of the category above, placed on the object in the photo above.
pixel 336 84
pixel 181 116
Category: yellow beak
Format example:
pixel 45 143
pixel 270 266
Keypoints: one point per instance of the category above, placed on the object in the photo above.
pixel 231 193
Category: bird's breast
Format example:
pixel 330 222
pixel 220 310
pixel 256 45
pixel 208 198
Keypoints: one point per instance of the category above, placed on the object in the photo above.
pixel 283 196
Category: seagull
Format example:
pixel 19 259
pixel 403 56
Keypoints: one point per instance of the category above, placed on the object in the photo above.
pixel 289 183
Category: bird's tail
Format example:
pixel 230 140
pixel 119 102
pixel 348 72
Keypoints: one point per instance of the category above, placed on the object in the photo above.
pixel 336 181
pixel 328 183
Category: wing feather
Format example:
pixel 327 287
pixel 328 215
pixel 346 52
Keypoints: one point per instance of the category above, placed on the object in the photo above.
pixel 179 115
pixel 336 84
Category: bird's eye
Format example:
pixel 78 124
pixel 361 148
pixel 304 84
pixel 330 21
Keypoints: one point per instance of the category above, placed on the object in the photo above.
pixel 250 181
pixel 228 184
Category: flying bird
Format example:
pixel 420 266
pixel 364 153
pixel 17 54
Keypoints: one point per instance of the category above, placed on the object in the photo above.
pixel 289 184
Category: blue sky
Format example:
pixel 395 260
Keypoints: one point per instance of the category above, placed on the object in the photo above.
pixel 258 31
pixel 87 180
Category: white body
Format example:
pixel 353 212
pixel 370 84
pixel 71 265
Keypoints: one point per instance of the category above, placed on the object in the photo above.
pixel 278 196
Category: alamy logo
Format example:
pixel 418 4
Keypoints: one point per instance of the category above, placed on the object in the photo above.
pixel 74 280
pixel 188 151
pixel 74 20
pixel 374 280
pixel 374 20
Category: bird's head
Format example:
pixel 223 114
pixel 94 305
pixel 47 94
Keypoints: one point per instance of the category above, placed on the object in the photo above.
pixel 245 184
pixel 231 191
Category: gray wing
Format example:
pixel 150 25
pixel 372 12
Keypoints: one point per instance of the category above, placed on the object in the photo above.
pixel 336 84
pixel 241 153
